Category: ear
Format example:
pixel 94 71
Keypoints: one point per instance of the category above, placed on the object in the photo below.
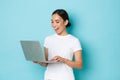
pixel 66 22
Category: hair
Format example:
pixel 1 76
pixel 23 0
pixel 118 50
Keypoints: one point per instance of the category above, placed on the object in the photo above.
pixel 63 14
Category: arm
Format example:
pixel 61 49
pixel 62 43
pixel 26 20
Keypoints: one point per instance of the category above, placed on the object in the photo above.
pixel 74 64
pixel 46 53
pixel 46 56
pixel 78 60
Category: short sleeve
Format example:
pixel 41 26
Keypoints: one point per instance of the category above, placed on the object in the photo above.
pixel 46 42
pixel 76 45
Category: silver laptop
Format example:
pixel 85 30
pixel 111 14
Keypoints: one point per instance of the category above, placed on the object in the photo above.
pixel 33 51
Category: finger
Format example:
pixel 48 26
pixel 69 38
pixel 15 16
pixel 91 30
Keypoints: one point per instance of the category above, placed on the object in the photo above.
pixel 35 61
pixel 61 59
pixel 55 58
pixel 40 62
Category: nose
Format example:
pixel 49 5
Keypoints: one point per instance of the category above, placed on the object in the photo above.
pixel 53 25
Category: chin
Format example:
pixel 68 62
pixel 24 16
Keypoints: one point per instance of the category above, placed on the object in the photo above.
pixel 58 33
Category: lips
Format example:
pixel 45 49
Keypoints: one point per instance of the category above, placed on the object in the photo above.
pixel 56 29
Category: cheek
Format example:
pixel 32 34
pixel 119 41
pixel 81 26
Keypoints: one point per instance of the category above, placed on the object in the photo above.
pixel 51 24
pixel 61 25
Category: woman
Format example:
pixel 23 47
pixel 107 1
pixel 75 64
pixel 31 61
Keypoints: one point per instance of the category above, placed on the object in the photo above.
pixel 60 48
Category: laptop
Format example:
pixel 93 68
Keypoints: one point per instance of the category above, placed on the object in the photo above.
pixel 33 52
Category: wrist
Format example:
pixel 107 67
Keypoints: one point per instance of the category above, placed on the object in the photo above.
pixel 65 60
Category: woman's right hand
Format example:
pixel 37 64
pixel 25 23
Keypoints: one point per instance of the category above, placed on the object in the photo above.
pixel 41 63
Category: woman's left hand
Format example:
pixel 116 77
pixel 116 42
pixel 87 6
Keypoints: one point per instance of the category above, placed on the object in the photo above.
pixel 58 59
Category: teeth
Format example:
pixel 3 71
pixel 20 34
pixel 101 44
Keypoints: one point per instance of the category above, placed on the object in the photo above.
pixel 55 28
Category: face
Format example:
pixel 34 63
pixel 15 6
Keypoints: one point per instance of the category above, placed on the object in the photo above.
pixel 58 24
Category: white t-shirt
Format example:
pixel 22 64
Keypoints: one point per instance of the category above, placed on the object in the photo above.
pixel 63 46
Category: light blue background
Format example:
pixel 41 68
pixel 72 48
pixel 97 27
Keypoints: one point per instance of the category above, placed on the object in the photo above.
pixel 95 22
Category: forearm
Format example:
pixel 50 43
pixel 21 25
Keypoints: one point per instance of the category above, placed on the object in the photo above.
pixel 73 64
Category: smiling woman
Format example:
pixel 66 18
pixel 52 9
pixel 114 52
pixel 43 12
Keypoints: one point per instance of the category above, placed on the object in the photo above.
pixel 60 48
pixel 60 21
pixel 96 23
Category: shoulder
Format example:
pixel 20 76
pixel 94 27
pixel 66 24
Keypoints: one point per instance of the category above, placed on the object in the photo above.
pixel 76 45
pixel 73 38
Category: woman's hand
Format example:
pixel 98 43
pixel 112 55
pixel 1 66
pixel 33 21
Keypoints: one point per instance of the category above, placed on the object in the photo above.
pixel 41 63
pixel 58 59
pixel 77 63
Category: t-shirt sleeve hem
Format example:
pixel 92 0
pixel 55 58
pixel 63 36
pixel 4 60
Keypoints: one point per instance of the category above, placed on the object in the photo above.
pixel 77 50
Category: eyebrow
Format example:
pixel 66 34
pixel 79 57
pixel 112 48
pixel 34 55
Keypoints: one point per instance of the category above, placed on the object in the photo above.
pixel 55 20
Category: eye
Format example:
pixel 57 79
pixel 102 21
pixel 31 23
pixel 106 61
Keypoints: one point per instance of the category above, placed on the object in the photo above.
pixel 57 22
pixel 51 21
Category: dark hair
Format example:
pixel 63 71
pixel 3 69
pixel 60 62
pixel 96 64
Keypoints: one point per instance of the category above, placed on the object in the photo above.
pixel 63 14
